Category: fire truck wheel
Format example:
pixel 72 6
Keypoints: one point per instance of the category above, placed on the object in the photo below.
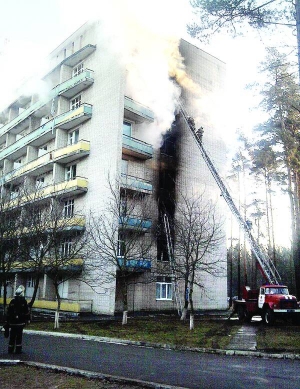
pixel 269 317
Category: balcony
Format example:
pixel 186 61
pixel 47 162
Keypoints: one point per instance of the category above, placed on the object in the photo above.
pixel 136 148
pixel 79 56
pixel 73 187
pixel 67 89
pixel 136 184
pixel 72 152
pixel 135 264
pixel 135 223
pixel 46 132
pixel 76 84
pixel 44 163
pixel 73 264
pixel 74 117
pixel 136 111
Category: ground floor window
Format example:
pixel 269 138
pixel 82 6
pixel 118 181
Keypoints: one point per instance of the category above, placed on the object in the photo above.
pixel 164 290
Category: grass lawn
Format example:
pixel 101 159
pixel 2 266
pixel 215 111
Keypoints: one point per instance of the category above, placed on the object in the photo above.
pixel 27 377
pixel 279 338
pixel 162 329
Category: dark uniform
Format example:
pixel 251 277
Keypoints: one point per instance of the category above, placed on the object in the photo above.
pixel 17 317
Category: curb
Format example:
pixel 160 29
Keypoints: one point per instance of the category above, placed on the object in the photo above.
pixel 244 353
pixel 90 374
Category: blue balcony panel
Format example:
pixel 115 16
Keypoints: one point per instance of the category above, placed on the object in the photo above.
pixel 136 148
pixel 46 132
pixel 136 184
pixel 77 84
pixel 136 111
pixel 136 223
pixel 135 263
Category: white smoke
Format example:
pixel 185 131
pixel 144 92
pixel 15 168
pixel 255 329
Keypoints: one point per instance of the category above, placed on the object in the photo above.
pixel 147 35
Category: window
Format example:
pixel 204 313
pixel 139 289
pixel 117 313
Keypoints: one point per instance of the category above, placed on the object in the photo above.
pixel 17 163
pixel 164 288
pixel 73 137
pixel 30 282
pixel 69 208
pixel 14 193
pixel 66 248
pixel 70 172
pixel 123 206
pixel 127 128
pixel 42 150
pixel 75 103
pixel 124 166
pixel 40 182
pixel 78 69
pixel 121 248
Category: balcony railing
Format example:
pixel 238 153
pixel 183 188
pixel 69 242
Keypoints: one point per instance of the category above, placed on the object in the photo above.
pixel 138 109
pixel 44 133
pixel 134 264
pixel 42 164
pixel 136 184
pixel 135 223
pixel 136 148
pixel 68 88
pixel 74 264
pixel 72 187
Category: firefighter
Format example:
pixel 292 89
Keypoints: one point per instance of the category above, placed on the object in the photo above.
pixel 17 317
pixel 199 133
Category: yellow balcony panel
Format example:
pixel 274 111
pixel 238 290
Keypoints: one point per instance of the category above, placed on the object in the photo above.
pixel 39 166
pixel 72 187
pixel 74 117
pixel 72 152
pixel 76 186
pixel 52 305
pixel 46 132
pixel 74 264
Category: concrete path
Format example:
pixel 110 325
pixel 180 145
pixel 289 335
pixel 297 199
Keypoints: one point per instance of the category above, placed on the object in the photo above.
pixel 244 339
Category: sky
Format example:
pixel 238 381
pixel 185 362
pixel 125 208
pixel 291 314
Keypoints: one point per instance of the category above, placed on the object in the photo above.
pixel 31 29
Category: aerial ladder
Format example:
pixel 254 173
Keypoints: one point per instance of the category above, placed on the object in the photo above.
pixel 266 266
pixel 171 260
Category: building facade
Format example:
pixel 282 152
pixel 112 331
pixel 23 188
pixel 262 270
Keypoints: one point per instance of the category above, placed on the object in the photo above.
pixel 88 128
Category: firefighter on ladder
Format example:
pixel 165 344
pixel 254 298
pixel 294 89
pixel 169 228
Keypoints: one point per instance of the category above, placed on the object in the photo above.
pixel 199 133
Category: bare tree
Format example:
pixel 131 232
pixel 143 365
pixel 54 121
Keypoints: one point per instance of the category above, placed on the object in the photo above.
pixel 49 237
pixel 120 241
pixel 199 233
pixel 10 229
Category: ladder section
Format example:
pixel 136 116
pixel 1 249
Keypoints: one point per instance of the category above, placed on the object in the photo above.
pixel 267 267
pixel 171 259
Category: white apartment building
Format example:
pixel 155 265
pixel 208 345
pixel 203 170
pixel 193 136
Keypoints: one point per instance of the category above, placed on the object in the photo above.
pixel 88 128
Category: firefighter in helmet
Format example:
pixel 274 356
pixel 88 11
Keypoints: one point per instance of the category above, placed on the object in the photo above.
pixel 16 318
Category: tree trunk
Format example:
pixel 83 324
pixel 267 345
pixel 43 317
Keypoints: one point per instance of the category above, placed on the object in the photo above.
pixel 184 313
pixel 124 318
pixel 125 303
pixel 56 319
pixel 186 301
pixel 192 324
pixel 36 286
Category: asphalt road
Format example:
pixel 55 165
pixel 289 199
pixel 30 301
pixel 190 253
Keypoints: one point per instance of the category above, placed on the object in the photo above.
pixel 179 368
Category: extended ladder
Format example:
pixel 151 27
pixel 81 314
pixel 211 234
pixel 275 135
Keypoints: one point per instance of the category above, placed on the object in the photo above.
pixel 171 260
pixel 267 267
